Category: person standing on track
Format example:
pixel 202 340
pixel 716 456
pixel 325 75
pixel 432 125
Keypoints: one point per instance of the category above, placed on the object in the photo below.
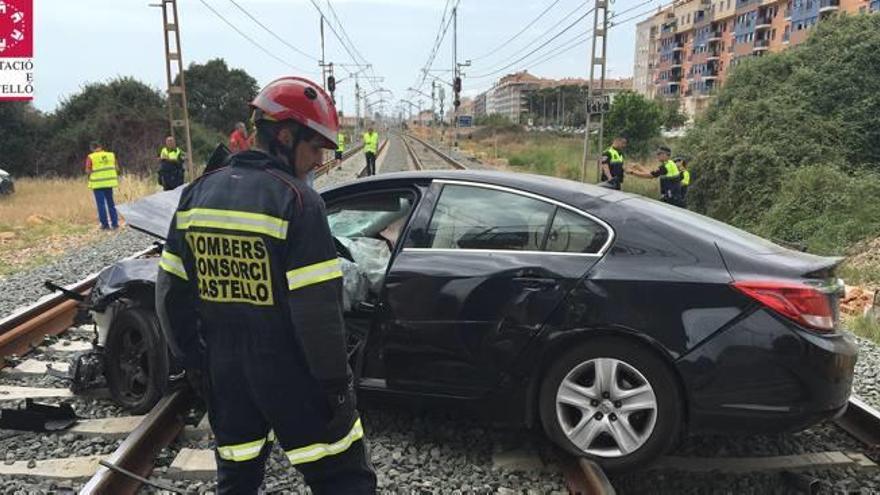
pixel 340 146
pixel 250 269
pixel 171 165
pixel 103 173
pixel 371 148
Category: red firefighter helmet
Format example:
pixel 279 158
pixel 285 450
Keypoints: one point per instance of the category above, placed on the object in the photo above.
pixel 300 100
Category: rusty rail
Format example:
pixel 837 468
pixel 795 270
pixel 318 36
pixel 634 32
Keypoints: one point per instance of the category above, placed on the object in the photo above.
pixel 329 164
pixel 448 159
pixel 861 421
pixel 51 315
pixel 138 451
pixel 417 162
pixel 585 477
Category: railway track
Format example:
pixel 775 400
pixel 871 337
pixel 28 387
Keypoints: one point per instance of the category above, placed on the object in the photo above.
pixel 425 155
pixel 130 465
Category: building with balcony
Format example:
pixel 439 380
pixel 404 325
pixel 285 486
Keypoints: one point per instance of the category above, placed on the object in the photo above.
pixel 686 49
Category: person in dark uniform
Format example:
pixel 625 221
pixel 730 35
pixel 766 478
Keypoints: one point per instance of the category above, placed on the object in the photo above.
pixel 612 163
pixel 250 269
pixel 171 165
pixel 669 175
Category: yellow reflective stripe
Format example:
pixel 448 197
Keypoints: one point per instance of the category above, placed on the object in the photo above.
pixel 317 451
pixel 233 220
pixel 172 264
pixel 241 452
pixel 313 274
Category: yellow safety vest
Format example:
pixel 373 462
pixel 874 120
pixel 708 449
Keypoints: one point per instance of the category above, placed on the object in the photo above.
pixel 371 142
pixel 685 177
pixel 340 142
pixel 103 174
pixel 616 156
pixel 170 155
pixel 671 170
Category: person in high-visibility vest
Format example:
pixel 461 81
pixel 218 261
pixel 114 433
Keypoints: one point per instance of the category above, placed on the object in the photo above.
pixel 103 177
pixel 171 165
pixel 685 179
pixel 612 163
pixel 340 146
pixel 669 175
pixel 371 147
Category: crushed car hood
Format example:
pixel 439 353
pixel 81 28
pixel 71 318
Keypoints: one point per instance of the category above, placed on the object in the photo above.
pixel 152 214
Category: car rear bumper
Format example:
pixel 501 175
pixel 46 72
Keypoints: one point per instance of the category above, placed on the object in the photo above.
pixel 765 373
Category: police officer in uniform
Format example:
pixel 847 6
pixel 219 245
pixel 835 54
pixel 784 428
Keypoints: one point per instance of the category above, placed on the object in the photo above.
pixel 250 270
pixel 171 165
pixel 669 175
pixel 612 163
pixel 682 164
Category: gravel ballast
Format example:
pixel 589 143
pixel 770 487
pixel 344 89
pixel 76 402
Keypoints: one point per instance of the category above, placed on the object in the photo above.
pixel 24 288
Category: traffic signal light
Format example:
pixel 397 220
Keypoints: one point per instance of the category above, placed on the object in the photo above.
pixel 456 85
pixel 457 103
pixel 331 84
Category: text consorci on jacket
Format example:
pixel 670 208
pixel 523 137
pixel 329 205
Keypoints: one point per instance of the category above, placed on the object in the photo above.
pixel 16 50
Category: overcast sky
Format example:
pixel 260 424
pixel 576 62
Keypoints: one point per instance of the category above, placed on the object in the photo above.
pixel 82 41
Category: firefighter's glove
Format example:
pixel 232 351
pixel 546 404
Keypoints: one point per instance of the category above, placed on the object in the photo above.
pixel 341 404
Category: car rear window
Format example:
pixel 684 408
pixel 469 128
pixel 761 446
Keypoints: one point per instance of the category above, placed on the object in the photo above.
pixel 573 233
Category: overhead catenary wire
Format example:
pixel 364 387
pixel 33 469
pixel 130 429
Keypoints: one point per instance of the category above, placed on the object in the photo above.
pixel 515 36
pixel 540 37
pixel 251 40
pixel 274 35
pixel 539 47
pixel 445 23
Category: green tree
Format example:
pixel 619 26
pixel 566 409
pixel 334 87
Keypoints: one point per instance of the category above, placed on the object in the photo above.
pixel 218 96
pixel 124 114
pixel 673 117
pixel 636 118
pixel 810 111
pixel 20 136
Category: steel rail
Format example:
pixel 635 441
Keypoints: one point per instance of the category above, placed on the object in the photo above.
pixel 331 163
pixel 585 477
pixel 861 421
pixel 50 315
pixel 417 162
pixel 138 452
pixel 448 159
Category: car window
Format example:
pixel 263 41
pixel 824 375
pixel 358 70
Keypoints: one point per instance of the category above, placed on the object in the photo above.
pixel 574 233
pixel 372 215
pixel 469 217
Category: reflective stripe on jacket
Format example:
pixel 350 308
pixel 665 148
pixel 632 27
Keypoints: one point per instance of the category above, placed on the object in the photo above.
pixel 103 173
pixel 340 142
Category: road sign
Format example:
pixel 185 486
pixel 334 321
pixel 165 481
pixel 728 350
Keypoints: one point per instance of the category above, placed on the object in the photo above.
pixel 465 120
pixel 599 104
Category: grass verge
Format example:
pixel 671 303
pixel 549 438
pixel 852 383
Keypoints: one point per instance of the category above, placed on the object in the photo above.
pixel 46 217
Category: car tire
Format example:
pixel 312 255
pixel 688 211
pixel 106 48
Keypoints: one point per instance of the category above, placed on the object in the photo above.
pixel 136 360
pixel 621 430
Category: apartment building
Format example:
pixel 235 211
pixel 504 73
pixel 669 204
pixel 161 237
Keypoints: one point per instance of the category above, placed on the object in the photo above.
pixel 510 95
pixel 686 49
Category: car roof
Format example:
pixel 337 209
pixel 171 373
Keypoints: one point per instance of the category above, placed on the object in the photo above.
pixel 567 191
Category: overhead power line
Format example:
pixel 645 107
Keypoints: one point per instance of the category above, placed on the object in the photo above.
pixel 445 23
pixel 274 35
pixel 542 45
pixel 251 40
pixel 541 36
pixel 515 36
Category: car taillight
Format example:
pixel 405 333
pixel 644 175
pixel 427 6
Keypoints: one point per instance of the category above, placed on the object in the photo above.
pixel 809 306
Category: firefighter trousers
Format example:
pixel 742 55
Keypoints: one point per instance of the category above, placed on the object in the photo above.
pixel 271 397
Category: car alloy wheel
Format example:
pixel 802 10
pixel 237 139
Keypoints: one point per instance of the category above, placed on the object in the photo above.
pixel 606 407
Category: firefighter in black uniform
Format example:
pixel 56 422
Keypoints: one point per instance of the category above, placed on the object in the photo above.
pixel 250 291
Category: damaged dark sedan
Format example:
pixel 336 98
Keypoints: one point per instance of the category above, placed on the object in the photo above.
pixel 614 322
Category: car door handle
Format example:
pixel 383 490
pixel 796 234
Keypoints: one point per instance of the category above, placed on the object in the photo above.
pixel 535 283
